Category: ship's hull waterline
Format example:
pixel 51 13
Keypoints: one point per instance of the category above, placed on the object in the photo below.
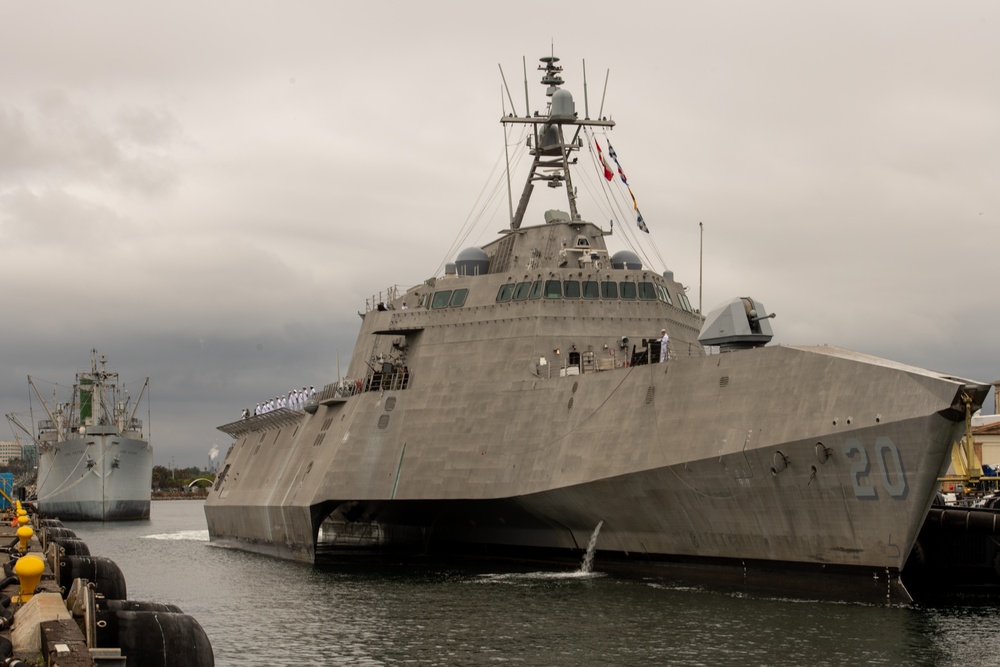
pixel 97 477
pixel 798 456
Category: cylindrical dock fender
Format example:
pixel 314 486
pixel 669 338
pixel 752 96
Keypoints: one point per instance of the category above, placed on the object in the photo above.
pixel 6 651
pixel 72 546
pixel 104 573
pixel 53 534
pixel 50 523
pixel 137 605
pixel 6 615
pixel 155 639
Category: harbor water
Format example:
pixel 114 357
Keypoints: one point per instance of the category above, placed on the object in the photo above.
pixel 262 611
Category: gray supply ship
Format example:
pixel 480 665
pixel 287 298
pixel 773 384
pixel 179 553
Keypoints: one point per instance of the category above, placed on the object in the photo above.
pixel 510 405
pixel 93 462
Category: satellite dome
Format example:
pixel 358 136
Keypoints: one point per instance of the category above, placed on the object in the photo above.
pixel 626 259
pixel 472 262
pixel 562 104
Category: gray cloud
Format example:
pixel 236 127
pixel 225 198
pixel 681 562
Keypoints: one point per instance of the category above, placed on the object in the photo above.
pixel 59 141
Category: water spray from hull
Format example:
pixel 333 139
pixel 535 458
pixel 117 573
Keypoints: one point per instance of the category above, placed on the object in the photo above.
pixel 588 559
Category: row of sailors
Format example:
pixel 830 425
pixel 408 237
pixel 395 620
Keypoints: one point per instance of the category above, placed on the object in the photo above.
pixel 295 400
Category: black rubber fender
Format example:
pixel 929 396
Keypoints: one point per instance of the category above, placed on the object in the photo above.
pixel 155 639
pixel 104 573
pixel 137 605
pixel 7 650
pixel 72 546
pixel 54 534
pixel 50 523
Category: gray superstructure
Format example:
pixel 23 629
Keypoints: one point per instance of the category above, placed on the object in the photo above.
pixel 514 403
pixel 94 463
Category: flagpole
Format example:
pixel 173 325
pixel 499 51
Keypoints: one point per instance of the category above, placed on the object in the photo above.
pixel 527 105
pixel 504 80
pixel 603 94
pixel 701 249
pixel 506 157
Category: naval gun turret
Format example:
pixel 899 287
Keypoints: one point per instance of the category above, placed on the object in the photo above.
pixel 737 324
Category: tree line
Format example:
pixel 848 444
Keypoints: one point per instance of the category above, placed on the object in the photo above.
pixel 176 478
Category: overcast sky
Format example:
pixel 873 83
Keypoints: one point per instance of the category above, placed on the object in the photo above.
pixel 207 192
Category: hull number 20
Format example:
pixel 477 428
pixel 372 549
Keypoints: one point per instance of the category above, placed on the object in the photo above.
pixel 888 475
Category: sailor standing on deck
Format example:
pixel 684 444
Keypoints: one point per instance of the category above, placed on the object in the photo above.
pixel 663 345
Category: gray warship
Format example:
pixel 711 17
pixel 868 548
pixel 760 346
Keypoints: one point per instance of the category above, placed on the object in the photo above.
pixel 510 405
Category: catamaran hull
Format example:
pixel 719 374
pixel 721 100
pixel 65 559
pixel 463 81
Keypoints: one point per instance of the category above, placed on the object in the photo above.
pixel 99 477
pixel 788 457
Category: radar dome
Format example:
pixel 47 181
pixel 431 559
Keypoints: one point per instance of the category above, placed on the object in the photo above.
pixel 626 259
pixel 562 103
pixel 472 262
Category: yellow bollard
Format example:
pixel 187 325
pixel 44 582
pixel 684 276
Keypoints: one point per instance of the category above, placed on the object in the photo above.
pixel 23 521
pixel 24 534
pixel 29 572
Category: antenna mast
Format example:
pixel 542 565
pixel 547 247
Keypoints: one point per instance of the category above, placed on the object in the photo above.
pixel 551 150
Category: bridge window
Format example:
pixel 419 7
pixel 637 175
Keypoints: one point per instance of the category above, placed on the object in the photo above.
pixel 627 289
pixel 441 299
pixel 571 289
pixel 521 291
pixel 505 292
pixel 646 291
pixel 664 294
pixel 553 289
pixel 536 290
pixel 458 298
pixel 609 289
pixel 685 304
pixel 591 290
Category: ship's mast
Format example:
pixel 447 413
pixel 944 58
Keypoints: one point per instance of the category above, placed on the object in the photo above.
pixel 128 421
pixel 550 149
pixel 45 406
pixel 16 421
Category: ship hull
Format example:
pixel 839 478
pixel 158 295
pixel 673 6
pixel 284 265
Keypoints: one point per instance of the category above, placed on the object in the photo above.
pixel 96 477
pixel 796 459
